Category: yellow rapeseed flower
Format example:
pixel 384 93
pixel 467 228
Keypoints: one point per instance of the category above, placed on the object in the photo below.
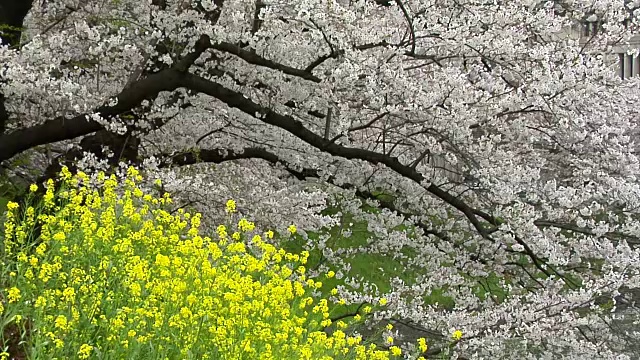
pixel 65 174
pixel 230 206
pixel 115 265
pixel 422 344
pixel 11 206
pixel 13 295
pixel 395 351
pixel 245 225
pixel 61 322
pixel 85 351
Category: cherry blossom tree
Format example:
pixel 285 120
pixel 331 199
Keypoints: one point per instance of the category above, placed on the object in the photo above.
pixel 489 138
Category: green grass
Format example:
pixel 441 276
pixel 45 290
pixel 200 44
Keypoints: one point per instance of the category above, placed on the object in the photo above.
pixel 377 269
pixel 9 190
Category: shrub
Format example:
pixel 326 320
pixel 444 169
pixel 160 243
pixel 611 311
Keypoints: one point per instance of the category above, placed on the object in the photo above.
pixel 113 274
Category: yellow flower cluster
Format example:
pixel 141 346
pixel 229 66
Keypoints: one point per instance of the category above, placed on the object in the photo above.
pixel 113 274
pixel 230 206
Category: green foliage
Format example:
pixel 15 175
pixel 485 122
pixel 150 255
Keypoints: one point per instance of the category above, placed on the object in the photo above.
pixel 9 190
pixel 8 31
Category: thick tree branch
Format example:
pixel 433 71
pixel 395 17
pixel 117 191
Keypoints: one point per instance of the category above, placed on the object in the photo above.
pixel 216 156
pixel 201 46
pixel 613 235
pixel 131 96
pixel 317 62
pixel 4 115
pixel 255 59
pixel 61 128
pixel 237 100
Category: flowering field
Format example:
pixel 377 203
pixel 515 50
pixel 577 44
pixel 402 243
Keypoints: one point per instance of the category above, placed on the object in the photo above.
pixel 101 269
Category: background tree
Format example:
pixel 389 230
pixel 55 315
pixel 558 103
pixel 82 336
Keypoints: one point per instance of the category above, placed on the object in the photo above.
pixel 488 149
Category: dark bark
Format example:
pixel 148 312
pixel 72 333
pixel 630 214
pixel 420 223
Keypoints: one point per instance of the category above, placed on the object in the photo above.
pixel 237 100
pixel 481 221
pixel 257 23
pixel 217 156
pixel 252 58
pixel 4 115
pixel 123 147
pixel 61 128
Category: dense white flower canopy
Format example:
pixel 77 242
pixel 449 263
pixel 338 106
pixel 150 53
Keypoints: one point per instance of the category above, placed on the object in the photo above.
pixel 498 134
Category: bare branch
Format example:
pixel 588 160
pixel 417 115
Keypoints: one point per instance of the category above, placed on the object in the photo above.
pixel 614 235
pixel 369 123
pixel 410 22
pixel 253 58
